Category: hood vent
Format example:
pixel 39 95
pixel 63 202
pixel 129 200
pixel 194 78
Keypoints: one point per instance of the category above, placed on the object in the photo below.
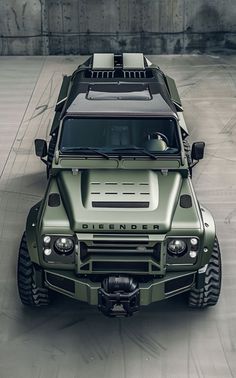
pixel 120 204
pixel 54 200
pixel 121 189
pixel 121 74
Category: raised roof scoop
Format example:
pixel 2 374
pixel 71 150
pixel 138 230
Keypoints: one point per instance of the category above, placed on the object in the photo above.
pixel 133 61
pixel 103 62
pixel 119 91
pixel 156 106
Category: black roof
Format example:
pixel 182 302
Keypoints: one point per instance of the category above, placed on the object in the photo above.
pixel 119 92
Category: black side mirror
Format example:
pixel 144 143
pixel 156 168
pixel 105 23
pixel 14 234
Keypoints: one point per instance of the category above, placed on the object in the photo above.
pixel 40 148
pixel 198 150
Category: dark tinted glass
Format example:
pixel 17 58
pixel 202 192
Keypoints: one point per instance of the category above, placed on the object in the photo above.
pixel 113 133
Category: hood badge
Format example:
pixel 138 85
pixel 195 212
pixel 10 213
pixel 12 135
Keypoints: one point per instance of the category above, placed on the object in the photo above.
pixel 120 227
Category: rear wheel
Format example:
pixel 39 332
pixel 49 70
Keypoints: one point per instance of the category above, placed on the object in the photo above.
pixel 30 294
pixel 209 294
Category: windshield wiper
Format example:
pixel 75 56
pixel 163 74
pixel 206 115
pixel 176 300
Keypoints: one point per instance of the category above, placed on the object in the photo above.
pixel 138 149
pixel 84 149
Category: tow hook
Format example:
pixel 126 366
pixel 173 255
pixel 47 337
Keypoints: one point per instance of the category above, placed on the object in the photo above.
pixel 119 296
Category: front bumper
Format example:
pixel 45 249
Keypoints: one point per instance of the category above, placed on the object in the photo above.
pixel 83 289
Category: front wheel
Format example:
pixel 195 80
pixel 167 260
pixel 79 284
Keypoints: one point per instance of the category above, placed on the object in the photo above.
pixel 30 294
pixel 209 294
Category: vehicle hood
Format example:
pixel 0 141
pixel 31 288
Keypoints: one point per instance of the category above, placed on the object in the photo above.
pixel 120 200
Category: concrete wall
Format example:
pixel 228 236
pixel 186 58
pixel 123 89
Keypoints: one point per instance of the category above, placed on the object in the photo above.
pixel 29 27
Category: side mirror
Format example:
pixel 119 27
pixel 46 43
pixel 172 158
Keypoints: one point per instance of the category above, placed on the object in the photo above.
pixel 40 148
pixel 198 150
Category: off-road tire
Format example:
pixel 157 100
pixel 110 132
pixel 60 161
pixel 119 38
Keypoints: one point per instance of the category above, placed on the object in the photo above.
pixel 30 294
pixel 209 294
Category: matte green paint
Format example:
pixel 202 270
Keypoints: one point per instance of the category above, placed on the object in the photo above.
pixel 78 179
pixel 86 290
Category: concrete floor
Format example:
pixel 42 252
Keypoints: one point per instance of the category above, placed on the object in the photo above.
pixel 70 339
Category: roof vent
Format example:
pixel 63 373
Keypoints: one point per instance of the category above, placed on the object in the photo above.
pixel 103 62
pixel 133 61
pixel 130 62
pixel 116 91
pixel 120 74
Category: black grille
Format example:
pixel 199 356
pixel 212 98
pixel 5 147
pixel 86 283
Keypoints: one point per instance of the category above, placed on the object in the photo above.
pixel 119 242
pixel 178 283
pixel 118 249
pixel 120 204
pixel 120 255
pixel 119 73
pixel 61 282
pixel 120 266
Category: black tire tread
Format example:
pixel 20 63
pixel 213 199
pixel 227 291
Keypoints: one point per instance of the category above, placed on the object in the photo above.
pixel 209 294
pixel 29 293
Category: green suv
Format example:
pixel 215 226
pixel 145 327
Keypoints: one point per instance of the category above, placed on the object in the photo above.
pixel 119 226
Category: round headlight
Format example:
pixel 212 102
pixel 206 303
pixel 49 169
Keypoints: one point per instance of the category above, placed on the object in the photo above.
pixel 64 245
pixel 177 247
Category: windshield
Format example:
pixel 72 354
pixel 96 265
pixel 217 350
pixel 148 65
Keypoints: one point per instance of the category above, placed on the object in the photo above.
pixel 132 136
